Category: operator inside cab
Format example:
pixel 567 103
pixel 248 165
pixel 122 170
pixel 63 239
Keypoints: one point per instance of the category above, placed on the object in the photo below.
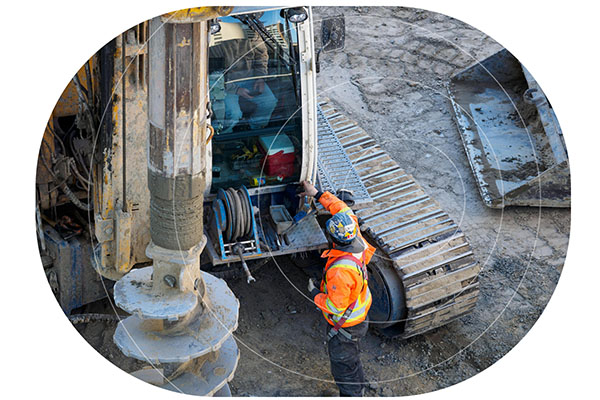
pixel 255 101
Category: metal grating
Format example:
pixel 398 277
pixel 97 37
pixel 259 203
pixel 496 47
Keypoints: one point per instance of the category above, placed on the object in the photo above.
pixel 334 167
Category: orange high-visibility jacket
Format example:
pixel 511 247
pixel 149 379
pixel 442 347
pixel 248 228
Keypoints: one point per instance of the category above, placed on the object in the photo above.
pixel 343 282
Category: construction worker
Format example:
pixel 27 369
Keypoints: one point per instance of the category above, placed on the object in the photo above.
pixel 344 295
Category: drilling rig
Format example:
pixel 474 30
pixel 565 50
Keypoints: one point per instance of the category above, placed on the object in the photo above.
pixel 184 140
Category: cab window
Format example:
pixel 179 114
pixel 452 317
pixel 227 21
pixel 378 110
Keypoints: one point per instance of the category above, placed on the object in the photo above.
pixel 254 97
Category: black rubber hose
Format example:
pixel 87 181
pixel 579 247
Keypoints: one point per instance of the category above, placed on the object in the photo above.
pixel 234 214
pixel 243 213
pixel 74 199
pixel 85 318
pixel 249 211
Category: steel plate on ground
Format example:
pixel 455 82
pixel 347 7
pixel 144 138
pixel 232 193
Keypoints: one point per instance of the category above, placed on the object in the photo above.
pixel 511 136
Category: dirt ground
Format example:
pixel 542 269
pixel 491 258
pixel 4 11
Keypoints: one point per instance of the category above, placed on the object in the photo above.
pixel 391 78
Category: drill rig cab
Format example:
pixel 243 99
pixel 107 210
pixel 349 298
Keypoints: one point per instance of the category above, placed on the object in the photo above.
pixel 262 112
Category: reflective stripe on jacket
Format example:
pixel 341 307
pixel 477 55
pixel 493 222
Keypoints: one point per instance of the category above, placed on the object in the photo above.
pixel 343 281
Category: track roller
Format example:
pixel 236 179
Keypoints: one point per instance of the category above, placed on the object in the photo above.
pixel 388 311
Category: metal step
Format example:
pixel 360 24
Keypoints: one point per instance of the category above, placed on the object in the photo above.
pixel 335 170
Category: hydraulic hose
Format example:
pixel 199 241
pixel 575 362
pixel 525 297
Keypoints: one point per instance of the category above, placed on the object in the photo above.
pixel 85 318
pixel 74 199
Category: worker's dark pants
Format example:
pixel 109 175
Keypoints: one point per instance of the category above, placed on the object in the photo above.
pixel 344 356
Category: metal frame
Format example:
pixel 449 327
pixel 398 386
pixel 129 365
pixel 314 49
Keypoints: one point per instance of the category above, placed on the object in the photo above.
pixel 310 226
pixel 308 87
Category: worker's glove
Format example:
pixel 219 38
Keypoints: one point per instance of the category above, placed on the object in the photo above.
pixel 312 288
pixel 309 189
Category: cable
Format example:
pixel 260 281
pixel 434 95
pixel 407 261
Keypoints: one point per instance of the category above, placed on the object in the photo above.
pixel 62 144
pixel 88 76
pixel 78 174
pixel 76 154
pixel 74 199
pixel 85 318
pixel 82 93
pixel 45 163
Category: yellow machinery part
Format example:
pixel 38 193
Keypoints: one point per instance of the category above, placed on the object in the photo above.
pixel 68 103
pixel 196 14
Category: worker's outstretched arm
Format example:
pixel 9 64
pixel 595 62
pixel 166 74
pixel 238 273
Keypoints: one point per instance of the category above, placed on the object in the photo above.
pixel 327 200
pixel 333 204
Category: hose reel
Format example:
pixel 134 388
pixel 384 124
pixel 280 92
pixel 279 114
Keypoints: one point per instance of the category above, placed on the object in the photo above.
pixel 235 226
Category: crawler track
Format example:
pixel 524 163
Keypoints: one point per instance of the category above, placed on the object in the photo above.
pixel 425 246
